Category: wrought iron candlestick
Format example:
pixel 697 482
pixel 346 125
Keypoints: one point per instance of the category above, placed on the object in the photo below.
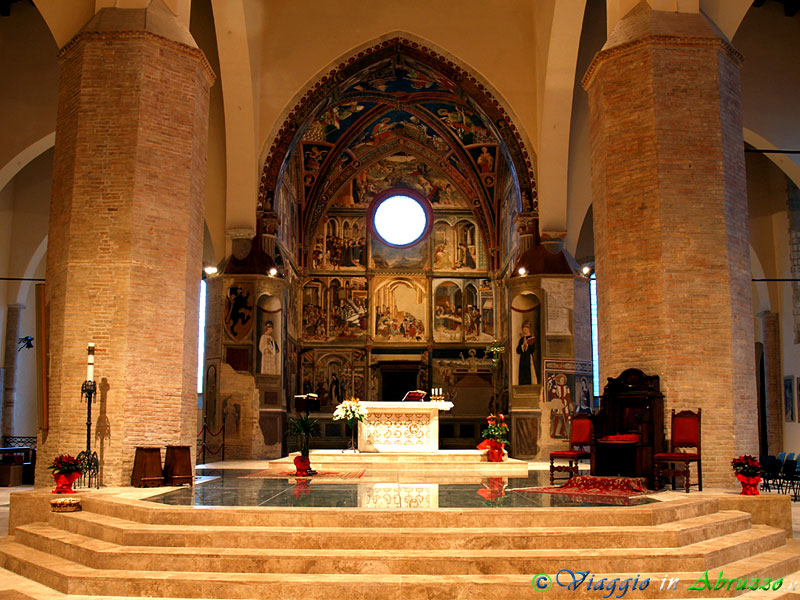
pixel 87 458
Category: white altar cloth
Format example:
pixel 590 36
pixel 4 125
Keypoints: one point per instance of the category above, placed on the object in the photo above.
pixel 401 426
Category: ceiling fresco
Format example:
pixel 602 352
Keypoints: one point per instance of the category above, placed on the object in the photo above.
pixel 398 117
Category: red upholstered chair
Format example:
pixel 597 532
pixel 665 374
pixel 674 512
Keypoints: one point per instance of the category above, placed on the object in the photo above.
pixel 580 438
pixel 685 434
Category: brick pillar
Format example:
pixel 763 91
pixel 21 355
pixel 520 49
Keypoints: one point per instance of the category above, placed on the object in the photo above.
pixel 10 369
pixel 770 328
pixel 671 225
pixel 125 239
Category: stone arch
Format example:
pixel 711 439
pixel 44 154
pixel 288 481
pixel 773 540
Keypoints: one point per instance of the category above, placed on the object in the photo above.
pixel 783 161
pixel 16 164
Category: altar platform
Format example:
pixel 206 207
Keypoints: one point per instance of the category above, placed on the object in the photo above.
pixel 457 463
pixel 236 535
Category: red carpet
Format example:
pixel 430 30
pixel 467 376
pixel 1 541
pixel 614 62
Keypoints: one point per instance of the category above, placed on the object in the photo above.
pixel 268 474
pixel 601 490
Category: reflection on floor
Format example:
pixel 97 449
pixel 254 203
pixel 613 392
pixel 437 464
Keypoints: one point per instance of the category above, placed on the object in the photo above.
pixel 369 489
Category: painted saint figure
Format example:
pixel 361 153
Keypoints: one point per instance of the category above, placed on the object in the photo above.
pixel 526 348
pixel 269 351
pixel 485 161
pixel 561 399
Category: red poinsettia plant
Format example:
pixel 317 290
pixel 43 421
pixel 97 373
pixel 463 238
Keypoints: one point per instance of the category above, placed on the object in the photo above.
pixel 746 466
pixel 65 465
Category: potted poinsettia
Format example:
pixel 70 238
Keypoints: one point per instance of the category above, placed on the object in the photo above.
pixel 66 469
pixel 304 428
pixel 748 471
pixel 495 437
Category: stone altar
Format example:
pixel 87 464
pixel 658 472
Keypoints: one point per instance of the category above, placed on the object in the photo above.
pixel 401 426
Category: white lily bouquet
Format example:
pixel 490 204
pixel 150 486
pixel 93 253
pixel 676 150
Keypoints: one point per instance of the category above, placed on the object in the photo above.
pixel 350 410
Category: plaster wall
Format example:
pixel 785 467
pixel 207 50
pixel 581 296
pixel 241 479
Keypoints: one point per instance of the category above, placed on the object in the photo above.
pixel 6 225
pixel 202 29
pixel 30 197
pixel 497 39
pixel 29 73
pixel 579 182
pixel 767 74
pixel 766 195
pixel 790 352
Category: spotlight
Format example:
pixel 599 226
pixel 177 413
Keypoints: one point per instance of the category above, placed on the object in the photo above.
pixel 210 270
pixel 586 269
pixel 25 342
pixel 522 271
pixel 273 271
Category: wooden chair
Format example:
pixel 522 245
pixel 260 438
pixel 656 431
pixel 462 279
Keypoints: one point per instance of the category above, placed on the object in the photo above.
pixel 685 434
pixel 580 437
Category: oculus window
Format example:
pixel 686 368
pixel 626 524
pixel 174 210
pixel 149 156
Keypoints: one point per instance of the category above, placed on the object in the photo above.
pixel 400 218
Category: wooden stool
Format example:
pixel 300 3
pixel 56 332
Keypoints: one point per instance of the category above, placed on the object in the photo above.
pixel 178 465
pixel 147 468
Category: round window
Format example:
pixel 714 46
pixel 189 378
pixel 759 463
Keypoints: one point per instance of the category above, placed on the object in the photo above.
pixel 399 217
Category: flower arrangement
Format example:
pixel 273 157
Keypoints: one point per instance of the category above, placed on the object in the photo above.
pixel 65 465
pixel 497 429
pixel 350 410
pixel 746 466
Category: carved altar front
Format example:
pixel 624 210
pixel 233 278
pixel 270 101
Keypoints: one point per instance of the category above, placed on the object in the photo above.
pixel 401 426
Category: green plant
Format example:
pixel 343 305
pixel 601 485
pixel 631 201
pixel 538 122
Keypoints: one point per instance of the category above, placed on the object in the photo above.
pixel 304 428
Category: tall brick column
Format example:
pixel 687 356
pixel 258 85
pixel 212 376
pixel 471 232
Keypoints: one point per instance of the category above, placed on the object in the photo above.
pixel 125 240
pixel 670 223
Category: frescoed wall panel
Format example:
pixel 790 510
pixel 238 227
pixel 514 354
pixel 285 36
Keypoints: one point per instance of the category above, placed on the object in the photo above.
pixel 400 309
pixel 335 308
pixel 342 245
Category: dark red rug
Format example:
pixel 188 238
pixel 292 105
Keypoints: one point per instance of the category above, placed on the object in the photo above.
pixel 597 490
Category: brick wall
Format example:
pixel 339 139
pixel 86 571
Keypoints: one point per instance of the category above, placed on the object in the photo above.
pixel 670 224
pixel 125 245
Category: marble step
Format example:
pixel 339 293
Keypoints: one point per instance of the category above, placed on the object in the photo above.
pixel 606 516
pixel 75 579
pixel 129 533
pixel 100 554
pixel 453 461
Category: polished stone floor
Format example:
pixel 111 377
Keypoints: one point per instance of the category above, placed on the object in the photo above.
pixel 371 489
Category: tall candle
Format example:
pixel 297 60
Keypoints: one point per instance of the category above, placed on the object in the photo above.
pixel 90 365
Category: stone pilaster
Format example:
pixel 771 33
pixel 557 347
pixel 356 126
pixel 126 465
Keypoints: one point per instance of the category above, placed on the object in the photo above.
pixel 670 223
pixel 10 368
pixel 770 327
pixel 793 203
pixel 125 239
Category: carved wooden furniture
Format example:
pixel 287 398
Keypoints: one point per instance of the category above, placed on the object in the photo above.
pixel 685 434
pixel 178 465
pixel 580 439
pixel 629 428
pixel 147 470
